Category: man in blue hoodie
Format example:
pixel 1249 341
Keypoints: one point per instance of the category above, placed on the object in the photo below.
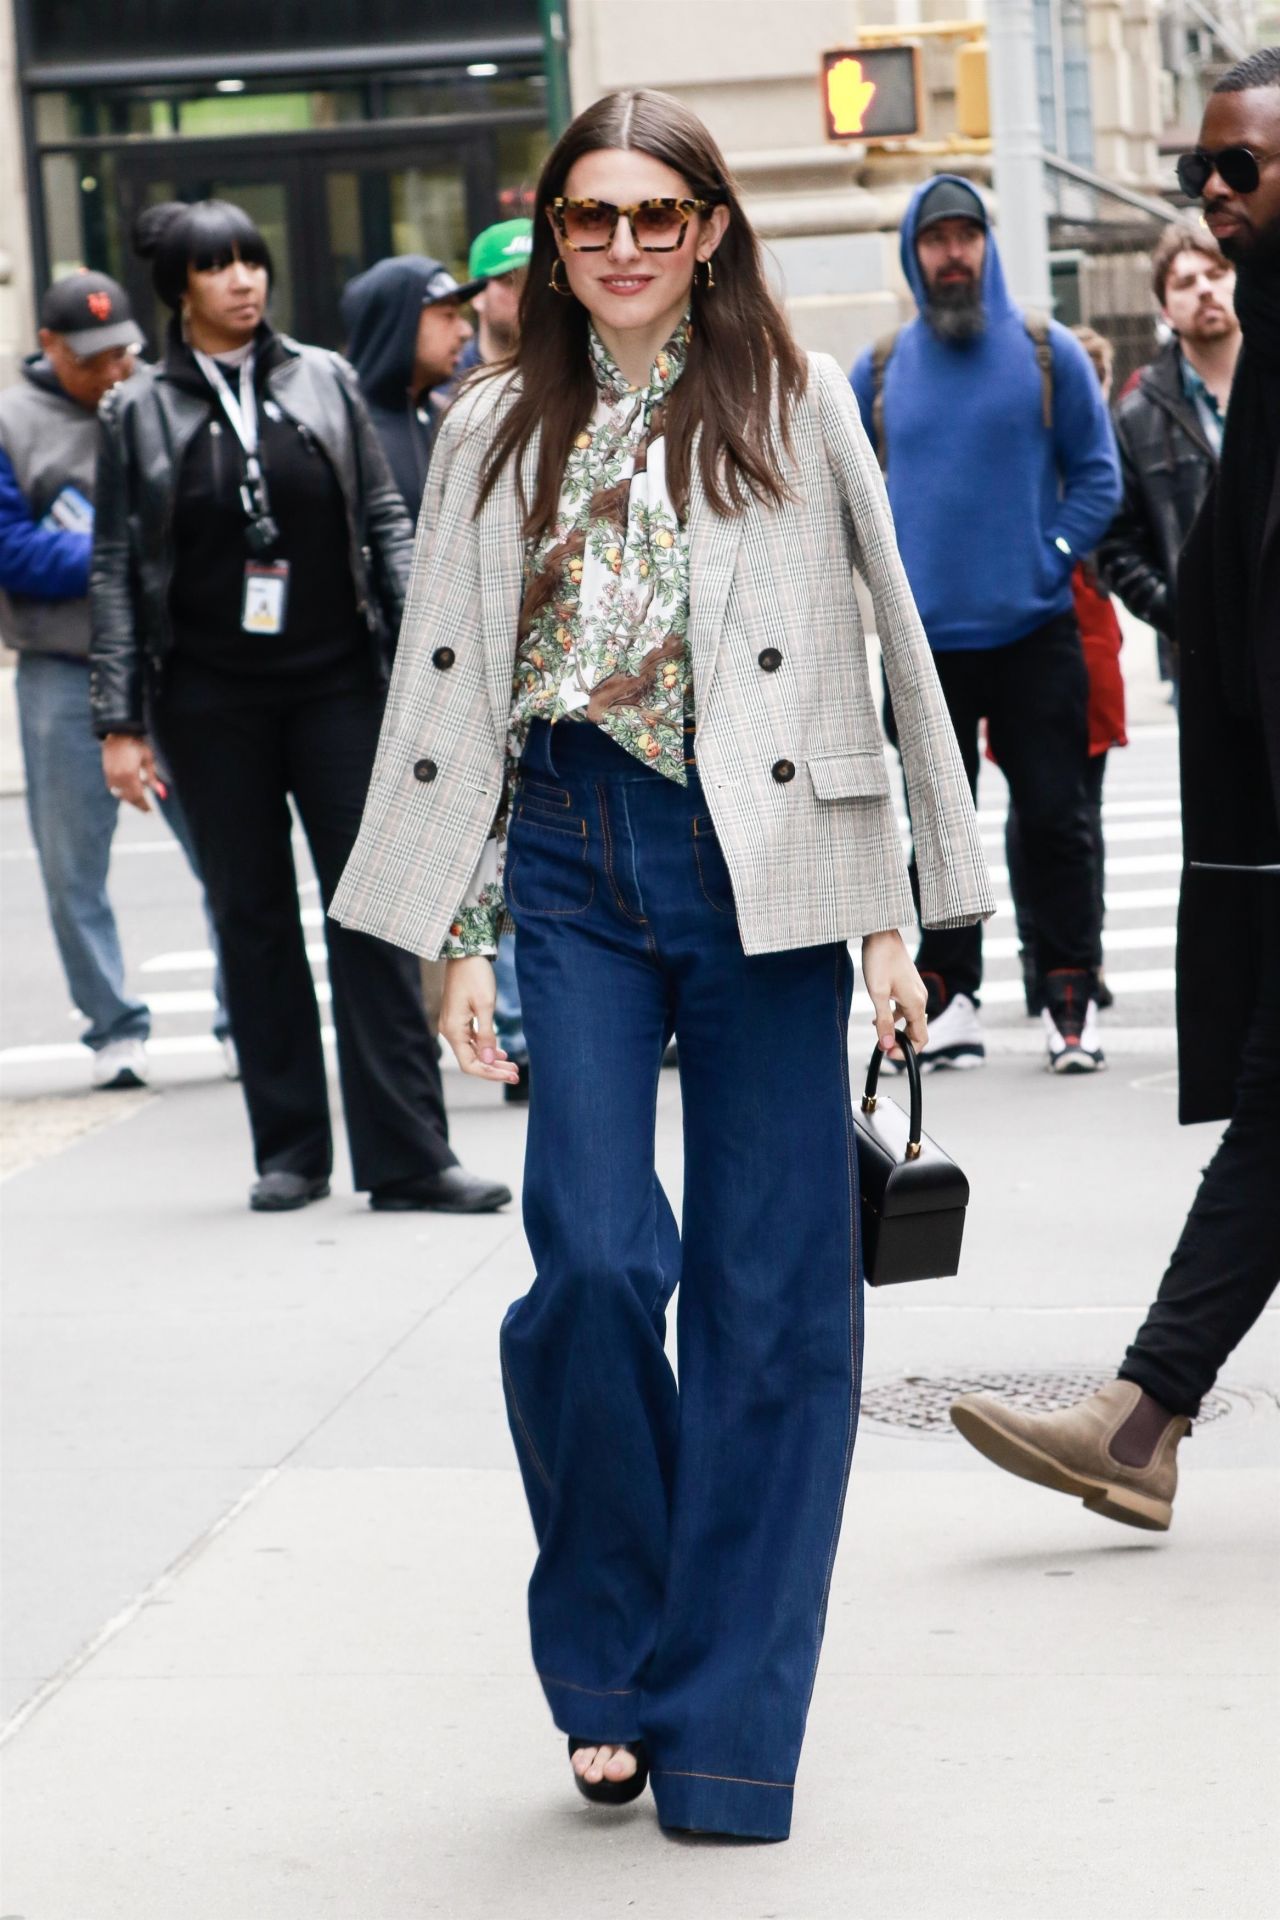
pixel 1002 471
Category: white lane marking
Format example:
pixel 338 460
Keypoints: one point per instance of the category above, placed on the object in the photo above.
pixel 1170 829
pixel 177 1046
pixel 1126 864
pixel 199 1000
pixel 200 959
pixel 1122 940
pixel 1137 900
pixel 1141 980
pixel 1111 810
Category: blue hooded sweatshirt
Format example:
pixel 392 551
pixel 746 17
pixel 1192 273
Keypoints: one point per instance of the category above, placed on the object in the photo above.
pixel 979 490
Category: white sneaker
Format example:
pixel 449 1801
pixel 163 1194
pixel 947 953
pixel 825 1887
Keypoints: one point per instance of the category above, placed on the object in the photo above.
pixel 1071 1052
pixel 120 1064
pixel 230 1058
pixel 955 1037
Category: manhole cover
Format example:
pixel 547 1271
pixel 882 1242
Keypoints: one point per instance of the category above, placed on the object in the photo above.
pixel 922 1402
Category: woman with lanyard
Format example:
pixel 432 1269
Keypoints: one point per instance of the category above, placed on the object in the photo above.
pixel 637 568
pixel 249 566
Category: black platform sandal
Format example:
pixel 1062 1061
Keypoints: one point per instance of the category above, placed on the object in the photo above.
pixel 613 1793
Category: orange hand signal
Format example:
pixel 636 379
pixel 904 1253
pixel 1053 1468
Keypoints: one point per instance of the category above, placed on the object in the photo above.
pixel 848 96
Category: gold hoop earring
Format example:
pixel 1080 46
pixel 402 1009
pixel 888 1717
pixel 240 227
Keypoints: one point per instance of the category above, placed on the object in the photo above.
pixel 709 284
pixel 554 285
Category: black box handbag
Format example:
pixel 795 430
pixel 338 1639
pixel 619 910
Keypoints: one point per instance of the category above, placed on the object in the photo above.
pixel 913 1195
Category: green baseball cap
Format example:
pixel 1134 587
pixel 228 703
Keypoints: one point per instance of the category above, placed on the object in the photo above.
pixel 500 249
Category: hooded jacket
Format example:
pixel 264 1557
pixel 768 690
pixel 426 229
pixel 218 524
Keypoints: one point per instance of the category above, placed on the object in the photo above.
pixel 380 311
pixel 980 489
pixel 48 443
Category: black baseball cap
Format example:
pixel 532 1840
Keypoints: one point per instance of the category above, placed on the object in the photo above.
pixel 439 284
pixel 92 313
pixel 950 200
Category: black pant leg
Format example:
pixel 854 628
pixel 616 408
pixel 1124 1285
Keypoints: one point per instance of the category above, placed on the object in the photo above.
pixel 1226 1264
pixel 229 764
pixel 1016 860
pixel 388 1059
pixel 1095 774
pixel 954 954
pixel 1038 720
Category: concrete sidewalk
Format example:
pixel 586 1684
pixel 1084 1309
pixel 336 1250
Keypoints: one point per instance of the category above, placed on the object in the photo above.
pixel 267 1551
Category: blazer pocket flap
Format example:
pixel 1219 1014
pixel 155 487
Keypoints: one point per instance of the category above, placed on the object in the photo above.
pixel 849 776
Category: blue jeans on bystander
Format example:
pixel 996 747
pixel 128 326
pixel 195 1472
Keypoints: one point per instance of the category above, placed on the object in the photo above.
pixel 73 820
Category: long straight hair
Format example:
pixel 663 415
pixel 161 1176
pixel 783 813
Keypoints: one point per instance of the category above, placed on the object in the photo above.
pixel 744 371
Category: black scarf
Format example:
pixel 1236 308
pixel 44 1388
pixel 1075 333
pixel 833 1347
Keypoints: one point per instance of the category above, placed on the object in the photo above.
pixel 1248 500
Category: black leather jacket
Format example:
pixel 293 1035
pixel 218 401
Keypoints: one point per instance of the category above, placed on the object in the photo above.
pixel 147 425
pixel 1166 463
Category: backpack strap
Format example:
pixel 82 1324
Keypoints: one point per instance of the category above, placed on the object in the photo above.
pixel 1037 326
pixel 881 354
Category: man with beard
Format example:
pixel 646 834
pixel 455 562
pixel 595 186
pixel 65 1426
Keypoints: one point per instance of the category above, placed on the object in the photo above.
pixel 406 331
pixel 1170 427
pixel 1002 472
pixel 1117 1450
pixel 499 259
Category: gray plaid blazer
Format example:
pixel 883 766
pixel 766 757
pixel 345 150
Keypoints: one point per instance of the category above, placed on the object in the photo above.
pixel 813 859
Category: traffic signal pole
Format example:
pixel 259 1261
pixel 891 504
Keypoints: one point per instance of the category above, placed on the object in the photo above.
pixel 1017 151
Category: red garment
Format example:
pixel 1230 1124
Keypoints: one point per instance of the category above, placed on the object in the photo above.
pixel 1102 640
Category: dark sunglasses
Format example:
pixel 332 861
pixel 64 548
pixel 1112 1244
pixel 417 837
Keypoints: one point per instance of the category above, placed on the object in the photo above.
pixel 657 226
pixel 1239 167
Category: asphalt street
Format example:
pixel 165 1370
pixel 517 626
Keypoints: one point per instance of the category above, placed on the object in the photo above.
pixel 265 1544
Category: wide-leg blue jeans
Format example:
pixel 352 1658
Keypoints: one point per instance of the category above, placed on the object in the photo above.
pixel 686 1534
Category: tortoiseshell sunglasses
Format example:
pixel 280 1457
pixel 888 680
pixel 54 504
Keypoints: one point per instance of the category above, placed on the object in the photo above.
pixel 657 226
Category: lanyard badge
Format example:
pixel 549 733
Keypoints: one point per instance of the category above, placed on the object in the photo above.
pixel 260 530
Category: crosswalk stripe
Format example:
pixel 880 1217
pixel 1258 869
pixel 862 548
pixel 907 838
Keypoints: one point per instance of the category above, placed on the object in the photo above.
pixel 1122 940
pixel 1004 993
pixel 200 959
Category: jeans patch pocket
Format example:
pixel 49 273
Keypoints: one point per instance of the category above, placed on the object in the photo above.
pixel 713 874
pixel 540 797
pixel 547 872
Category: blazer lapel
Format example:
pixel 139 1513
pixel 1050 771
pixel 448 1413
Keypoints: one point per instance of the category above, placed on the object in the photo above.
pixel 713 552
pixel 501 545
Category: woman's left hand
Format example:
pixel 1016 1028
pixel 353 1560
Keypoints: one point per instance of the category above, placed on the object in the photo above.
pixel 896 990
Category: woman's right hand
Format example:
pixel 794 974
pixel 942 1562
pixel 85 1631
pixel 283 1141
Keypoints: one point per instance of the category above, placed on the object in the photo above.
pixel 466 1020
pixel 129 769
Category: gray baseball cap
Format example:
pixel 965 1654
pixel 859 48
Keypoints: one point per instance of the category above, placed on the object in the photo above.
pixel 950 199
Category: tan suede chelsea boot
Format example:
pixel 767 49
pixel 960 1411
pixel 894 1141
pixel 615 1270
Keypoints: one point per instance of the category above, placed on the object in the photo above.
pixel 1084 1450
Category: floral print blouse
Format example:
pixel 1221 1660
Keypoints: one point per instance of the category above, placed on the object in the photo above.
pixel 604 622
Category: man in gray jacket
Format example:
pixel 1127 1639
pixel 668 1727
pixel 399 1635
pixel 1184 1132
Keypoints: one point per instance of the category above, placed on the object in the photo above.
pixel 48 454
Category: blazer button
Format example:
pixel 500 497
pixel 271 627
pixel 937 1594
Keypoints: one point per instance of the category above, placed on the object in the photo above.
pixel 770 659
pixel 783 771
pixel 443 657
pixel 425 769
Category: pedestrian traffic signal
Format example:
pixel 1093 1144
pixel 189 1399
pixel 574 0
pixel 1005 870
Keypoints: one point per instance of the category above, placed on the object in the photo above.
pixel 871 93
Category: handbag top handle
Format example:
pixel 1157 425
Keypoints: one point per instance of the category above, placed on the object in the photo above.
pixel 916 1123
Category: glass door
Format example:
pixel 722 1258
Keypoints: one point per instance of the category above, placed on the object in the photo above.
pixel 271 197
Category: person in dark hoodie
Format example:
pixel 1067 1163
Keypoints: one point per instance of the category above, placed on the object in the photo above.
pixel 48 462
pixel 248 579
pixel 406 331
pixel 1117 1450
pixel 1002 472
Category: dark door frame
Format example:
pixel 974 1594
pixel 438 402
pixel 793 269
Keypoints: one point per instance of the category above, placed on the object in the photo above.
pixel 301 161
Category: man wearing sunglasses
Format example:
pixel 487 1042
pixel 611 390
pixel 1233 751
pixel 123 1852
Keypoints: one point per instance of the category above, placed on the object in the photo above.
pixel 1117 1450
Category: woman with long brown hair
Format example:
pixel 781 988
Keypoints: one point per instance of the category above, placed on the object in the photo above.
pixel 632 711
